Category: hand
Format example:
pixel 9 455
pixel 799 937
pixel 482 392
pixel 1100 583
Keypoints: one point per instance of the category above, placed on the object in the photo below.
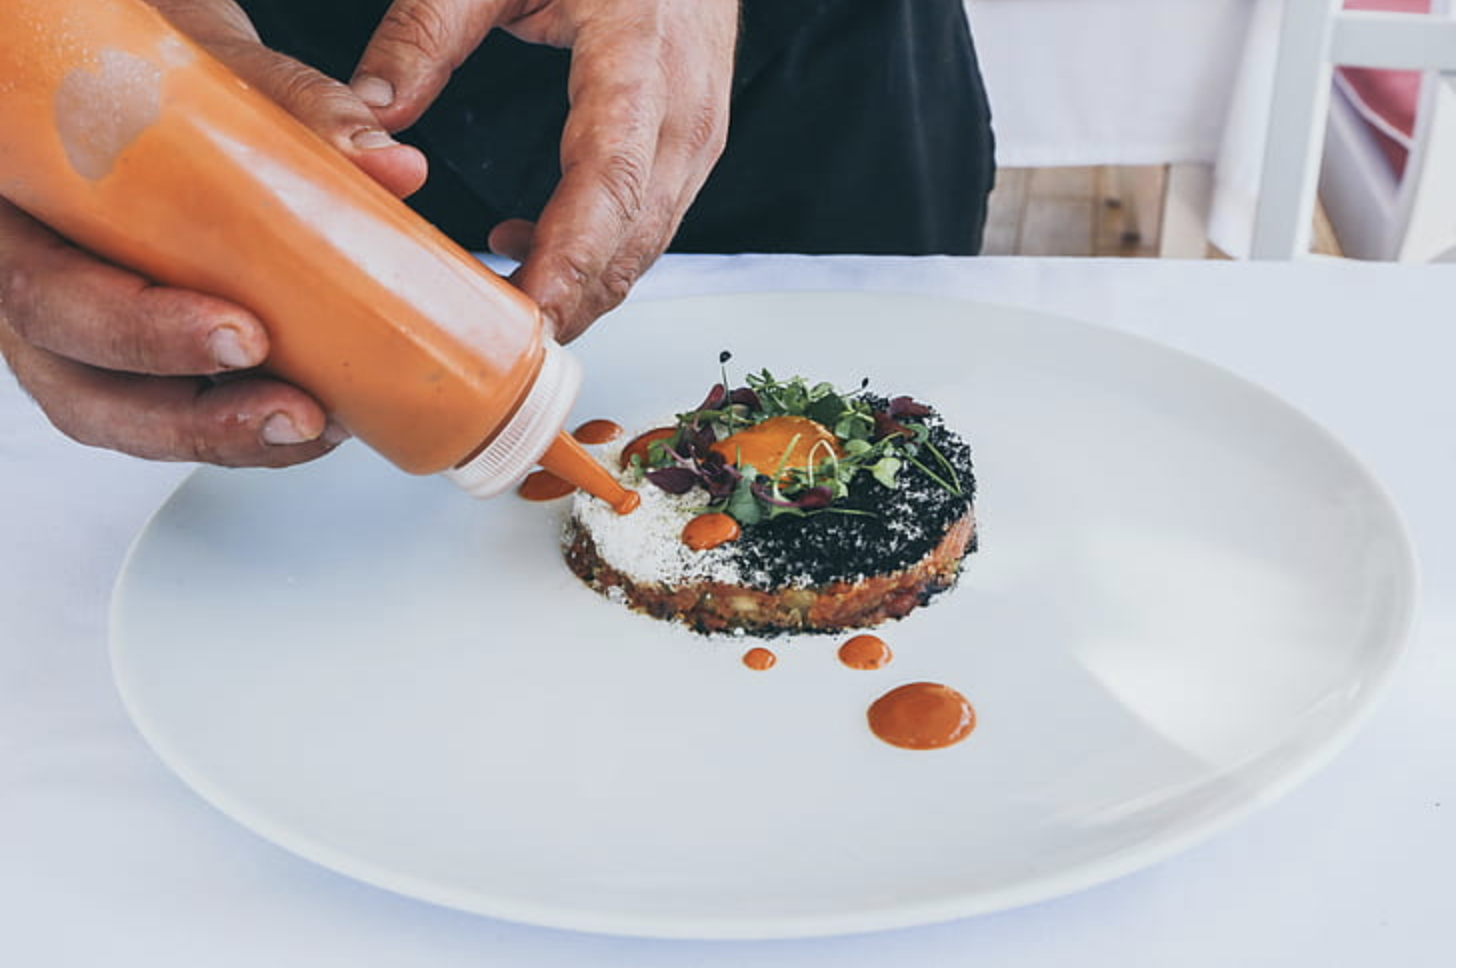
pixel 115 361
pixel 649 91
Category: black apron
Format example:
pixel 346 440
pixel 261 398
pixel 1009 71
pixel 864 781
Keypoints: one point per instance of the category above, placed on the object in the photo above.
pixel 857 126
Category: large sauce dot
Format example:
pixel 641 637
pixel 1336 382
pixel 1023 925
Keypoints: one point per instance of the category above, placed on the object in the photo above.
pixel 922 716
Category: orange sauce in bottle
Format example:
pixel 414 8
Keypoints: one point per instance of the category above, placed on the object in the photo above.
pixel 130 140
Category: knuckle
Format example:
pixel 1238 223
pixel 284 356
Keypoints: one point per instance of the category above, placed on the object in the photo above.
pixel 707 130
pixel 417 29
pixel 622 177
pixel 19 294
pixel 138 335
pixel 201 448
pixel 321 102
pixel 205 435
pixel 617 281
pixel 299 88
pixel 131 344
pixel 576 266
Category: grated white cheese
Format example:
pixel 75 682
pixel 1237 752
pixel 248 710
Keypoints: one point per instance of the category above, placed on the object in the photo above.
pixel 645 546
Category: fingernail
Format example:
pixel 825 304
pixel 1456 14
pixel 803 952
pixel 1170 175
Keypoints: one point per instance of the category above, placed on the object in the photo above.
pixel 228 350
pixel 374 91
pixel 280 430
pixel 335 434
pixel 371 139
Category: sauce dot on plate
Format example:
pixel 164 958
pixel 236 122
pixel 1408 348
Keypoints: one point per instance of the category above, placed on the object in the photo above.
pixel 922 716
pixel 544 486
pixel 598 432
pixel 865 652
pixel 709 531
pixel 639 444
pixel 759 658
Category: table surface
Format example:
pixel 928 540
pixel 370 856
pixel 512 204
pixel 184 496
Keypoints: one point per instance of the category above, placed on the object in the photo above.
pixel 109 859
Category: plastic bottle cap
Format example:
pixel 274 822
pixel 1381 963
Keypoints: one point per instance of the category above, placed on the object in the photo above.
pixel 515 449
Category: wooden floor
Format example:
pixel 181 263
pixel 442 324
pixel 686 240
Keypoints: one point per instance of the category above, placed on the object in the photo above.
pixel 1113 212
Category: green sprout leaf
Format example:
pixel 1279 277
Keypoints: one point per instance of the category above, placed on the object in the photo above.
pixel 884 443
pixel 885 470
pixel 743 506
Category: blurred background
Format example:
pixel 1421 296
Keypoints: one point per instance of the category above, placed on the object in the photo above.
pixel 1148 128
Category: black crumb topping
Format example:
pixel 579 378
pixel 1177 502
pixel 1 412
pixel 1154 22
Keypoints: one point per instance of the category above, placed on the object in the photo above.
pixel 902 526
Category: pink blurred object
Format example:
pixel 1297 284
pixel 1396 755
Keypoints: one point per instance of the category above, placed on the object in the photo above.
pixel 1385 99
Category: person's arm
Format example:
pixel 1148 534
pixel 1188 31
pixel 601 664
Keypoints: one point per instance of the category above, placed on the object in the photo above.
pixel 118 362
pixel 649 91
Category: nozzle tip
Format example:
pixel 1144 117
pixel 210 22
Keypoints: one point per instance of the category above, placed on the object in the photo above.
pixel 567 459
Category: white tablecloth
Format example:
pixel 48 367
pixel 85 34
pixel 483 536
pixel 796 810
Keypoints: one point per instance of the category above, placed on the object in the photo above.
pixel 1109 82
pixel 107 859
pixel 1136 82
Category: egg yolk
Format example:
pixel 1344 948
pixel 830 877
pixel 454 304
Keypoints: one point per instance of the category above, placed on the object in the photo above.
pixel 778 444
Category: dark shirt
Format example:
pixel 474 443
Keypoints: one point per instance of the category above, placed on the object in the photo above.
pixel 856 126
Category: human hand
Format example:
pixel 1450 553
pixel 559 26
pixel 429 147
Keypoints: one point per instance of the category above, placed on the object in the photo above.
pixel 649 92
pixel 118 362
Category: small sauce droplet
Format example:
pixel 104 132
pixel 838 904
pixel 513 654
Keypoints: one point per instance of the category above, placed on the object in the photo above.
pixel 865 652
pixel 639 444
pixel 922 716
pixel 709 531
pixel 759 658
pixel 598 432
pixel 544 486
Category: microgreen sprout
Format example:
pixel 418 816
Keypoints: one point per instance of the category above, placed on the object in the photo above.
pixel 885 439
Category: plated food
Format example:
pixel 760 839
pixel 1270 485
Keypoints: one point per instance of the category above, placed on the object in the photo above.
pixel 780 505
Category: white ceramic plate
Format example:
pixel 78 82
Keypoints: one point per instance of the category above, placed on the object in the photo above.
pixel 1188 597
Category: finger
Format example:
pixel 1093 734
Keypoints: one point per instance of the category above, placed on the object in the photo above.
pixel 64 300
pixel 332 111
pixel 678 176
pixel 249 421
pixel 646 240
pixel 323 104
pixel 414 51
pixel 642 135
pixel 512 239
pixel 609 144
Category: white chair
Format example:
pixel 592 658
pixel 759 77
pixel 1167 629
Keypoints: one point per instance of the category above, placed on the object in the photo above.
pixel 1315 36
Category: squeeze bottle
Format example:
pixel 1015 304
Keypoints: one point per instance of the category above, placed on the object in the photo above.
pixel 126 137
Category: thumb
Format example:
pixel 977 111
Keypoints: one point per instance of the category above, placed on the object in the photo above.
pixel 330 109
pixel 414 51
